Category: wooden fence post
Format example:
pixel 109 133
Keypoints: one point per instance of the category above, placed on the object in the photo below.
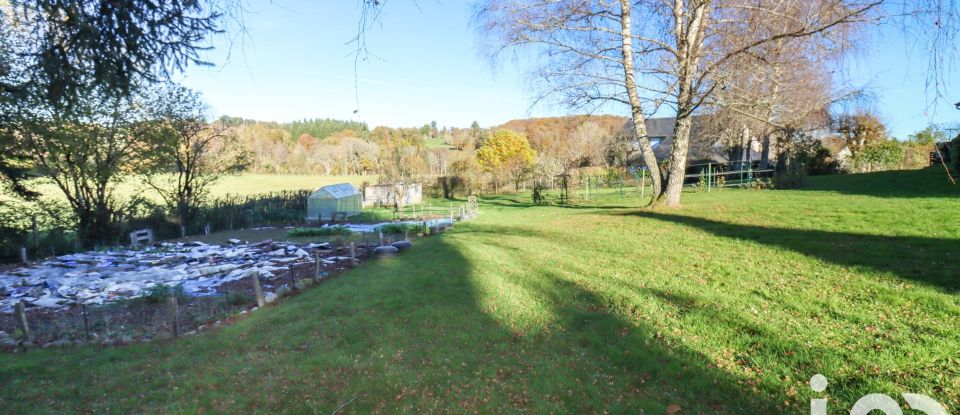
pixel 23 255
pixel 86 322
pixel 293 279
pixel 316 259
pixel 36 242
pixel 709 177
pixel 256 287
pixel 643 182
pixel 175 310
pixel 21 312
pixel 353 253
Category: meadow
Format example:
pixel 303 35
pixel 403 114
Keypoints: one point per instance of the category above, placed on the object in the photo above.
pixel 246 184
pixel 729 304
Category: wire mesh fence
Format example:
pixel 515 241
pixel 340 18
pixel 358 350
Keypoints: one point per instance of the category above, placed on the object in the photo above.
pixel 163 311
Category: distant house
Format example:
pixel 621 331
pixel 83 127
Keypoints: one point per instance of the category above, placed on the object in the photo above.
pixel 706 147
pixel 660 131
pixel 839 150
pixel 386 194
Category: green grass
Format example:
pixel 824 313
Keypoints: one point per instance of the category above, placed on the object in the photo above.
pixel 727 305
pixel 324 231
pixel 436 142
pixel 246 184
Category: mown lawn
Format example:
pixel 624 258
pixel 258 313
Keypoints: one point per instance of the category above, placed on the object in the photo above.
pixel 728 305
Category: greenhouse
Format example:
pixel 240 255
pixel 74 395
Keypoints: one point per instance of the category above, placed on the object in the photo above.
pixel 336 201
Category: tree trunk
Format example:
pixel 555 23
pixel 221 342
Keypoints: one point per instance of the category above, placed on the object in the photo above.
pixel 765 152
pixel 678 162
pixel 636 110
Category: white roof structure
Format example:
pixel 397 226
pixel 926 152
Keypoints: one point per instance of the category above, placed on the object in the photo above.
pixel 338 190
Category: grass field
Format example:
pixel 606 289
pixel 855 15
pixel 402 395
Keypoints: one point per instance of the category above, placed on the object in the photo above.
pixel 246 184
pixel 728 305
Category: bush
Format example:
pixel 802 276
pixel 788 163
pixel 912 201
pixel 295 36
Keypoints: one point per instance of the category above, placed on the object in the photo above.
pixel 321 231
pixel 538 196
pixel 877 156
pixel 235 298
pixel 395 228
pixel 398 228
pixel 813 157
pixel 161 292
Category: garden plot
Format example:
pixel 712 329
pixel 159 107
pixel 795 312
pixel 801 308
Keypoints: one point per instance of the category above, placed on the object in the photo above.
pixel 101 277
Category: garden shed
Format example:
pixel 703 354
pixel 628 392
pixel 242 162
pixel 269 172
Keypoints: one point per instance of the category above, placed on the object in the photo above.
pixel 335 201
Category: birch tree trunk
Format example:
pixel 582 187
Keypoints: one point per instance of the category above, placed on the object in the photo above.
pixel 636 109
pixel 688 32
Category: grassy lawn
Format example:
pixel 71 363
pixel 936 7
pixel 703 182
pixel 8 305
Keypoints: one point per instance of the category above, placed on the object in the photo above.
pixel 728 305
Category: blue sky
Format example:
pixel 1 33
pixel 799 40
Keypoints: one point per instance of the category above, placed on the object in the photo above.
pixel 295 62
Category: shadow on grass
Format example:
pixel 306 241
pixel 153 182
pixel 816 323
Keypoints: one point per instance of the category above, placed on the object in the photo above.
pixel 929 261
pixel 928 182
pixel 664 373
pixel 410 334
pixel 517 203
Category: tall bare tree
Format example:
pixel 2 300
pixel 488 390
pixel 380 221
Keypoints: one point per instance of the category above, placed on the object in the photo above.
pixel 645 54
pixel 191 154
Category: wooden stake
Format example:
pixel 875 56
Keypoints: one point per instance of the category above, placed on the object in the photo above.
pixel 316 274
pixel 175 310
pixel 643 182
pixel 86 323
pixel 33 220
pixel 353 253
pixel 256 287
pixel 21 311
pixel 293 279
pixel 23 255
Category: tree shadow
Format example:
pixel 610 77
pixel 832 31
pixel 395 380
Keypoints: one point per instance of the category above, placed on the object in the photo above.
pixel 415 333
pixel 670 372
pixel 923 183
pixel 517 203
pixel 926 260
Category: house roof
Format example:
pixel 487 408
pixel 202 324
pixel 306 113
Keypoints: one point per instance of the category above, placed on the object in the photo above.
pixel 338 190
pixel 663 127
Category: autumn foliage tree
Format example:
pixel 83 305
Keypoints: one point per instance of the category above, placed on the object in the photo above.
pixel 860 130
pixel 507 153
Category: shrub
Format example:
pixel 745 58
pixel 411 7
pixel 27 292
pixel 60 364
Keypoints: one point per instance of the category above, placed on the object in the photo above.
pixel 235 299
pixel 398 228
pixel 395 228
pixel 538 196
pixel 322 231
pixel 161 292
pixel 881 155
